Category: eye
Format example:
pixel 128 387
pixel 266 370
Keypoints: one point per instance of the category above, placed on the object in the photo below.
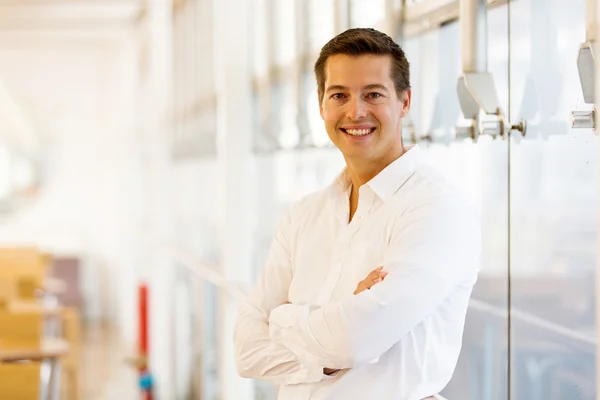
pixel 337 96
pixel 374 95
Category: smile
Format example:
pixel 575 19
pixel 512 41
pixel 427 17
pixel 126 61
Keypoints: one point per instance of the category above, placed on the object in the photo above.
pixel 358 132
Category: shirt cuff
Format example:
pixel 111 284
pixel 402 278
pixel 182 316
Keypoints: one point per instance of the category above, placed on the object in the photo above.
pixel 315 374
pixel 283 318
pixel 288 316
pixel 288 325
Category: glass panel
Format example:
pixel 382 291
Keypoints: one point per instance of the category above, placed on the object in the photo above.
pixel 197 301
pixel 480 171
pixel 204 45
pixel 553 187
pixel 268 217
pixel 366 13
pixel 186 347
pixel 285 26
pixel 5 171
pixel 259 44
pixel 321 23
pixel 210 360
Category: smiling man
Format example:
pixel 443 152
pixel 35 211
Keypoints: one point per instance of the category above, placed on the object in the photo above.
pixel 366 286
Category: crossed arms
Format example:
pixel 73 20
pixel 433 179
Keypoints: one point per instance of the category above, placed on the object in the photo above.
pixel 429 255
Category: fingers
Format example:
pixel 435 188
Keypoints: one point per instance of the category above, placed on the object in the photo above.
pixel 374 277
pixel 377 273
pixel 368 284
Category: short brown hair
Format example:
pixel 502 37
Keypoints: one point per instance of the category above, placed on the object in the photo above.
pixel 358 41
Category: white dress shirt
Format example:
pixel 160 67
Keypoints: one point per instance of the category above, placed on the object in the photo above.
pixel 401 339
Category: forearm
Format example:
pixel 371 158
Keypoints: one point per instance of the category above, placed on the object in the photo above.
pixel 361 328
pixel 258 357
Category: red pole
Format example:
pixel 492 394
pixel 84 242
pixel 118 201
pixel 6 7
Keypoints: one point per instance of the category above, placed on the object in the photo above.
pixel 143 320
pixel 143 335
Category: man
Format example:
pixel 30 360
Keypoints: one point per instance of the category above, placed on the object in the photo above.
pixel 314 324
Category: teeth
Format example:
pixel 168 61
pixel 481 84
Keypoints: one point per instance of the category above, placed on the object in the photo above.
pixel 358 132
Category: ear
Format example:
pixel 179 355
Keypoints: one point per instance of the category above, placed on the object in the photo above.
pixel 321 106
pixel 405 102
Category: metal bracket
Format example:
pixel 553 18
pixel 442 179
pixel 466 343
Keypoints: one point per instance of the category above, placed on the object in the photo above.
pixel 586 119
pixel 479 102
pixel 475 88
pixel 476 91
pixel 409 134
pixel 583 119
pixel 585 66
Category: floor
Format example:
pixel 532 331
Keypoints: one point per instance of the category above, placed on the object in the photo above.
pixel 105 373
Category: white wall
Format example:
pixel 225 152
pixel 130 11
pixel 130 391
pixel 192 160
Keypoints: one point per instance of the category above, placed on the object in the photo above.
pixel 81 100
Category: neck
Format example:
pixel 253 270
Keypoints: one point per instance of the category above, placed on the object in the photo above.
pixel 362 171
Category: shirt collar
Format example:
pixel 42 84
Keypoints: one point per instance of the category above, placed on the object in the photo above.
pixel 391 178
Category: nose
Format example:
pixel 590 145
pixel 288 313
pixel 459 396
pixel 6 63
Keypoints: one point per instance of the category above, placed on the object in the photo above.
pixel 357 109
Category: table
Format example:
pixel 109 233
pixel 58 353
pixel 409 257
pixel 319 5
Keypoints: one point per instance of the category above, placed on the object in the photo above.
pixel 50 350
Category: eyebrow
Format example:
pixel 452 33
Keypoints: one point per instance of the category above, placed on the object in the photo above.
pixel 368 87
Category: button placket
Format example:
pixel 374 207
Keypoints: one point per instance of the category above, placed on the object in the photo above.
pixel 365 203
pixel 342 205
pixel 342 242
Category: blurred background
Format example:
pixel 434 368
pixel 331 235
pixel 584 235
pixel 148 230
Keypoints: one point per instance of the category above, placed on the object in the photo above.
pixel 149 147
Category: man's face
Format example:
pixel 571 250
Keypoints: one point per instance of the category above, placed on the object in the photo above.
pixel 360 108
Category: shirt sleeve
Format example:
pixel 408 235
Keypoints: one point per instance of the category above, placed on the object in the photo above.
pixel 256 355
pixel 434 249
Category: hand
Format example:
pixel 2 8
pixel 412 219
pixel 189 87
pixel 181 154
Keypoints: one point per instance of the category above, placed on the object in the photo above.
pixel 376 276
pixel 329 371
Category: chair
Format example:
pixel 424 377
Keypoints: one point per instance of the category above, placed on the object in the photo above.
pixel 20 381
